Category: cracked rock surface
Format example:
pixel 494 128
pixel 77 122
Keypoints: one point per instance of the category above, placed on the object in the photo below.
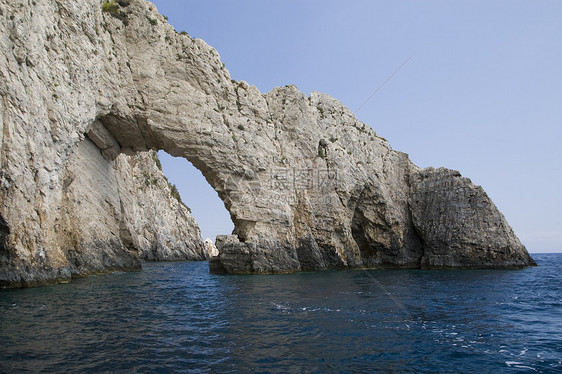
pixel 85 94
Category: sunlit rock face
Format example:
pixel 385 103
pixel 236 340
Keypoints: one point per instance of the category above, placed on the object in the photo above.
pixel 85 93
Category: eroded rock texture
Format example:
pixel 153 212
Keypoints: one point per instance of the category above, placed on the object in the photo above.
pixel 154 219
pixel 307 185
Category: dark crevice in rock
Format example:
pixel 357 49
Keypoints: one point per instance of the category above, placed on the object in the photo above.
pixel 417 237
pixel 4 235
pixel 125 234
pixel 331 257
pixel 367 232
pixel 310 256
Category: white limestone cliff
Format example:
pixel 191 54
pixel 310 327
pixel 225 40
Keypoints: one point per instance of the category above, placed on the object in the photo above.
pixel 307 185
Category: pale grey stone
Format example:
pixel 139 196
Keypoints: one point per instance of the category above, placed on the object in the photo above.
pixel 308 186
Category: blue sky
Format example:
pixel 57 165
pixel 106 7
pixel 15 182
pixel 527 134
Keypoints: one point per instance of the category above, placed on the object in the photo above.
pixel 482 92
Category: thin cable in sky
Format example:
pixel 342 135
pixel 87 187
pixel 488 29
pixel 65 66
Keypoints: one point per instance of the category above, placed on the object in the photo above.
pixel 384 83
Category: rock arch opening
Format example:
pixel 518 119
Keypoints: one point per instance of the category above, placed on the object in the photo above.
pixel 116 193
pixel 191 158
pixel 203 201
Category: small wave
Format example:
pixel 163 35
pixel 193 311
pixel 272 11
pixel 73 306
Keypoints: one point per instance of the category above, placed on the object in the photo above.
pixel 281 307
pixel 519 365
pixel 311 309
pixel 287 308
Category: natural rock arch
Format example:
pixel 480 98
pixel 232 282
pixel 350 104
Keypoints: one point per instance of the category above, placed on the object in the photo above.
pixel 307 185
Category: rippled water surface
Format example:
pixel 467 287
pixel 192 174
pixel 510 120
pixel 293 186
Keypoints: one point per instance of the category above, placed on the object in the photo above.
pixel 176 317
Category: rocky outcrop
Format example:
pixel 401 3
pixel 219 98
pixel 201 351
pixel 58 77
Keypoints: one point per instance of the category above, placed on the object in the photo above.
pixel 307 185
pixel 212 250
pixel 460 226
pixel 155 221
pixel 113 214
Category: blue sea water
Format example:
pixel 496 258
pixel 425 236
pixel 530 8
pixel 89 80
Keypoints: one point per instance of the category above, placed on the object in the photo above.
pixel 176 317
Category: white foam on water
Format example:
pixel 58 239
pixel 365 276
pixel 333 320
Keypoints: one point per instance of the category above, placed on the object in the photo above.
pixel 519 365
pixel 281 307
pixel 289 309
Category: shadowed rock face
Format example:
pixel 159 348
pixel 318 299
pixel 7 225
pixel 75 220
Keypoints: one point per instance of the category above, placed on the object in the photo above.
pixel 307 185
